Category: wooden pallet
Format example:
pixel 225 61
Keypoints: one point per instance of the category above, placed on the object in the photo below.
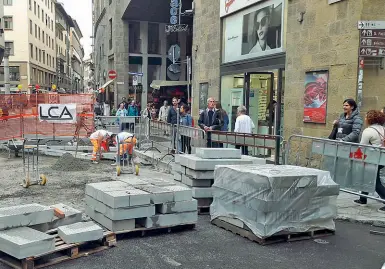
pixel 62 252
pixel 277 238
pixel 142 231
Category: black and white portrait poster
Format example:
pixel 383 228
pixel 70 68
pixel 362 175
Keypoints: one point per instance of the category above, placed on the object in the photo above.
pixel 254 32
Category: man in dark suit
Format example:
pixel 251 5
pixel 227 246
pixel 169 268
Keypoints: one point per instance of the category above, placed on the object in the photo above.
pixel 210 120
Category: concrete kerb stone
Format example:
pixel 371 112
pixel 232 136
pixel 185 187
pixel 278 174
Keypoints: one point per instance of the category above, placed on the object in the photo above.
pixel 181 193
pixel 25 215
pixel 114 226
pixel 202 192
pixel 200 174
pixel 97 190
pixel 218 153
pixel 72 215
pixel 80 232
pixel 177 207
pixel 159 195
pixel 25 242
pixel 189 181
pixel 126 198
pixel 159 221
pixel 120 213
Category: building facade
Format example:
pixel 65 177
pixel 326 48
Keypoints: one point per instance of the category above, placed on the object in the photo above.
pixel 88 76
pixel 76 56
pixel 2 39
pixel 130 37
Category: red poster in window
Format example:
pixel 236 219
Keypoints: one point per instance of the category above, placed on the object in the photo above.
pixel 315 97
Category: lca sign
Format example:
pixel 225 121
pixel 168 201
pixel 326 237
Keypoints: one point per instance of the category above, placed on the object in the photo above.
pixel 57 113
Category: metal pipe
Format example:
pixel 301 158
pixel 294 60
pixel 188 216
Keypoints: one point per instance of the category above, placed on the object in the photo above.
pixel 363 195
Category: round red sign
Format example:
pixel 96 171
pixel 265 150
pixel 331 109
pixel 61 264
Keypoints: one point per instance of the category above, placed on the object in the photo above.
pixel 112 74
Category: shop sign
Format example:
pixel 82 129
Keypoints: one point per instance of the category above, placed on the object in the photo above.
pixel 254 32
pixel 59 113
pixel 231 6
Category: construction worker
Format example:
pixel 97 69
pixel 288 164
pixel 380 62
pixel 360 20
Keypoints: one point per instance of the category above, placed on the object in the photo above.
pixel 127 142
pixel 97 138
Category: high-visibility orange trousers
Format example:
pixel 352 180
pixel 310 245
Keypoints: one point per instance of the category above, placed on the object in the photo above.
pixel 128 145
pixel 96 149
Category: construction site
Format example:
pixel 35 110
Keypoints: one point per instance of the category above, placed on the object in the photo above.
pixel 144 203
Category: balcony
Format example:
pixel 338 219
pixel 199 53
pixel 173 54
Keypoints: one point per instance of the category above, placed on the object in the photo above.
pixel 60 25
pixel 61 57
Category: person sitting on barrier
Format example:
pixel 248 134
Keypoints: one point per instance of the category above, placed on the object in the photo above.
pixel 127 142
pixel 210 120
pixel 349 125
pixel 97 138
pixel 122 112
pixel 374 135
pixel 185 120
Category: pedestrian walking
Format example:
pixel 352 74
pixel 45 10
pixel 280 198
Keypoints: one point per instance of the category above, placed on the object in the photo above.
pixel 185 120
pixel 374 135
pixel 243 124
pixel 348 127
pixel 97 138
pixel 210 120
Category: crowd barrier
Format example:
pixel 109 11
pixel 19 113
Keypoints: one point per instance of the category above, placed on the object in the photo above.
pixel 265 146
pixel 353 166
pixel 19 116
pixel 116 123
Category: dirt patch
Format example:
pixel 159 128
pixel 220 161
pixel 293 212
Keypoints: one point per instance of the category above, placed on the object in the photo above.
pixel 67 162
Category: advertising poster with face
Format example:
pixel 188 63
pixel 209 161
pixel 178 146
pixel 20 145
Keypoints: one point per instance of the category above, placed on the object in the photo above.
pixel 315 96
pixel 261 31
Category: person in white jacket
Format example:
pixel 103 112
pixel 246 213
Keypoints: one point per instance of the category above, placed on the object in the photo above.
pixel 374 135
pixel 163 112
pixel 243 124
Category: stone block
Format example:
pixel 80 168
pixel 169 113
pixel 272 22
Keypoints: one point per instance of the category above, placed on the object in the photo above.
pixel 202 192
pixel 97 190
pixel 127 198
pixel 112 225
pixel 171 220
pixel 120 213
pixel 177 176
pixel 72 215
pixel 159 195
pixel 177 207
pixel 177 158
pixel 218 153
pixel 133 181
pixel 25 215
pixel 24 242
pixel 199 174
pixel 159 182
pixel 176 167
pixel 196 182
pixel 80 232
pixel 181 193
pixel 195 163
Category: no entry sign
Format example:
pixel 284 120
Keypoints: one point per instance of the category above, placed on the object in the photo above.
pixel 112 74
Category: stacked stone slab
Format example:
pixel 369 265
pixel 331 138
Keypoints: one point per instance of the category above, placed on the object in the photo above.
pixel 269 199
pixel 197 170
pixel 126 205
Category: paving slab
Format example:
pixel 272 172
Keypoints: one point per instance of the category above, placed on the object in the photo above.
pixel 126 198
pixel 97 190
pixel 134 181
pixel 114 226
pixel 202 192
pixel 159 195
pixel 181 193
pixel 218 153
pixel 165 220
pixel 24 242
pixel 80 232
pixel 159 182
pixel 197 163
pixel 196 174
pixel 189 181
pixel 177 207
pixel 25 215
pixel 72 215
pixel 120 213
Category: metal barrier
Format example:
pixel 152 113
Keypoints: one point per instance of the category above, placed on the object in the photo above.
pixel 261 145
pixel 353 166
pixel 114 123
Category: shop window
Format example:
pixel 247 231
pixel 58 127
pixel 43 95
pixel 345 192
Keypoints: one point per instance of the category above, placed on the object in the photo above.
pixel 14 73
pixel 153 38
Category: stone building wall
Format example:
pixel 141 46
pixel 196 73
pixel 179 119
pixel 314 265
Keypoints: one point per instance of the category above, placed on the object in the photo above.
pixel 206 49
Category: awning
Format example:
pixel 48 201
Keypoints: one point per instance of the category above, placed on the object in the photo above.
pixel 107 84
pixel 156 84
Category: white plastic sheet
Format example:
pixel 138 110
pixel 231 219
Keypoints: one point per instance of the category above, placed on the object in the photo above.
pixel 269 199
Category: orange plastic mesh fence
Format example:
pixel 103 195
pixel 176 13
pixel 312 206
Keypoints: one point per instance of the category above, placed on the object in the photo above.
pixel 19 115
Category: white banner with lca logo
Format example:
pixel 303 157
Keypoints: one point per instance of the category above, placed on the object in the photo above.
pixel 57 113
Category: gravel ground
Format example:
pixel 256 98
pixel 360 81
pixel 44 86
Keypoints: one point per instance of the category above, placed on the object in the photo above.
pixel 62 187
